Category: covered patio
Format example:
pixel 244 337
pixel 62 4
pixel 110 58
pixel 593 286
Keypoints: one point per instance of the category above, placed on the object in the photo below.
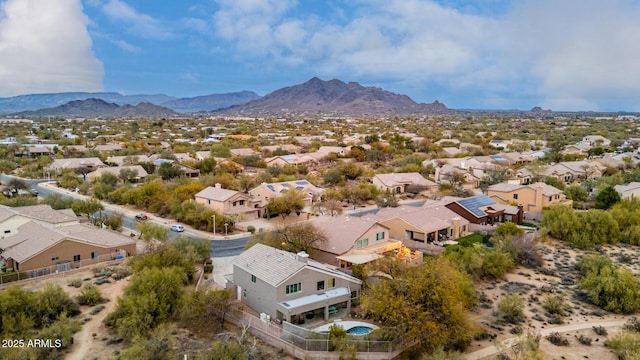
pixel 326 303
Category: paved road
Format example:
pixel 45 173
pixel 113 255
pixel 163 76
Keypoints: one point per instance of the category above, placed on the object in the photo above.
pixel 219 247
pixel 508 343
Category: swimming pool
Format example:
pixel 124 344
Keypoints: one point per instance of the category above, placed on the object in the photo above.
pixel 360 330
pixel 352 327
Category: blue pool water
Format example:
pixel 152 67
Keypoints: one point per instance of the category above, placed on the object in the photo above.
pixel 359 330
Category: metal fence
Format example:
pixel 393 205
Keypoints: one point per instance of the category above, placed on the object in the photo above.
pixel 306 340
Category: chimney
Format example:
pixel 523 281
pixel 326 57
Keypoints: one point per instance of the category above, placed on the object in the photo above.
pixel 302 257
pixel 218 186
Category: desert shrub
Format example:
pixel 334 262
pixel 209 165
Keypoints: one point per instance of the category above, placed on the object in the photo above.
pixel 557 339
pixel 613 289
pixel 511 308
pixel 554 305
pixel 600 330
pixel 633 324
pixel 89 295
pixel 63 329
pixel 625 344
pixel 441 354
pixel 251 229
pixel 120 272
pixel 585 340
pixel 76 283
pixel 593 263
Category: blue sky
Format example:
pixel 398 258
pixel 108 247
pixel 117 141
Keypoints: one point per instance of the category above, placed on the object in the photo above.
pixel 483 54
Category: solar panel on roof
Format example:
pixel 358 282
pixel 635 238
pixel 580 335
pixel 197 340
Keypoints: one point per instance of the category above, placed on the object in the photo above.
pixel 474 204
pixel 497 158
pixel 302 182
pixel 289 157
pixel 271 187
pixel 285 185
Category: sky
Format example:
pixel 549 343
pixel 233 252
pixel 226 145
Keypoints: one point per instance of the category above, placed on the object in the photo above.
pixel 476 54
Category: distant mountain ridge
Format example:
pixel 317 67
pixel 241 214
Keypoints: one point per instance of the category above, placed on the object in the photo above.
pixel 98 108
pixel 333 97
pixel 201 103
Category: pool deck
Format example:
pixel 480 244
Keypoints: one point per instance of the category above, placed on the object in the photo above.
pixel 345 325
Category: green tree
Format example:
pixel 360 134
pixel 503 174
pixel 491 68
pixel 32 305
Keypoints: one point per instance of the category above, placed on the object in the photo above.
pixel 614 289
pixel 152 297
pixel 293 238
pixel 606 198
pixel 511 309
pixel 576 192
pixel 87 207
pixel 424 304
pixel 509 229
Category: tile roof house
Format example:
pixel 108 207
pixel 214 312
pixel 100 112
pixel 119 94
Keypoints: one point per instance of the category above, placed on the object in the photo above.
pixel 128 160
pixel 485 211
pixel 262 193
pixel 400 183
pixel 628 191
pixel 430 223
pixel 244 152
pixel 75 163
pixel 227 202
pixel 12 218
pixel 352 240
pixel 141 173
pixel 533 197
pixel 40 249
pixel 291 287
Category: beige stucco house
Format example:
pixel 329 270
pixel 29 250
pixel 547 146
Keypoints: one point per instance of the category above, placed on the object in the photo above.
pixel 399 183
pixel 291 287
pixel 227 202
pixel 40 249
pixel 533 197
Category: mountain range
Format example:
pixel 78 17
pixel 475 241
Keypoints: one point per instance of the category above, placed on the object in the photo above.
pixel 314 97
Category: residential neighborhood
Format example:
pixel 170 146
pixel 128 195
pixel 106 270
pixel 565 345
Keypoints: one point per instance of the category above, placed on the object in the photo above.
pixel 308 228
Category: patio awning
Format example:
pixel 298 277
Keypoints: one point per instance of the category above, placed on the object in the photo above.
pixel 359 258
pixel 315 298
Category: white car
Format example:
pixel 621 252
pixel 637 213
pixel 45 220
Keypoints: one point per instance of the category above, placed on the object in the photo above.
pixel 177 228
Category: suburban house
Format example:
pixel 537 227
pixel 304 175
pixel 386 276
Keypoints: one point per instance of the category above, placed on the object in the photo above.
pixel 291 159
pixel 570 171
pixel 140 172
pixel 483 210
pixel 244 152
pixel 291 287
pixel 128 160
pixel 76 163
pixel 355 240
pixel 628 191
pixel 12 218
pixel 227 202
pixel 40 249
pixel 596 140
pixel 400 183
pixel 430 223
pixel 262 193
pixel 533 197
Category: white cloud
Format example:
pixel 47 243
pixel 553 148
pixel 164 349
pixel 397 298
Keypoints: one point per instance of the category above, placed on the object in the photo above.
pixel 137 23
pixel 566 54
pixel 45 47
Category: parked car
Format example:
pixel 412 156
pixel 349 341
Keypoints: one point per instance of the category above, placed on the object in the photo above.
pixel 141 217
pixel 35 192
pixel 177 228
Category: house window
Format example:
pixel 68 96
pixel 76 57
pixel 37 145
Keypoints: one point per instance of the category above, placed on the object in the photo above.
pixel 293 288
pixel 55 258
pixel 208 202
pixel 76 258
pixel 362 243
pixel 464 228
pixel 241 202
pixel 332 283
pixel 94 255
pixel 515 196
pixel 7 231
pixel 380 236
pixel 550 197
pixel 321 285
pixel 253 278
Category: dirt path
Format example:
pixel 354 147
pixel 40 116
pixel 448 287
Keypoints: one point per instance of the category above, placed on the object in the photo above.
pixel 507 343
pixel 85 346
